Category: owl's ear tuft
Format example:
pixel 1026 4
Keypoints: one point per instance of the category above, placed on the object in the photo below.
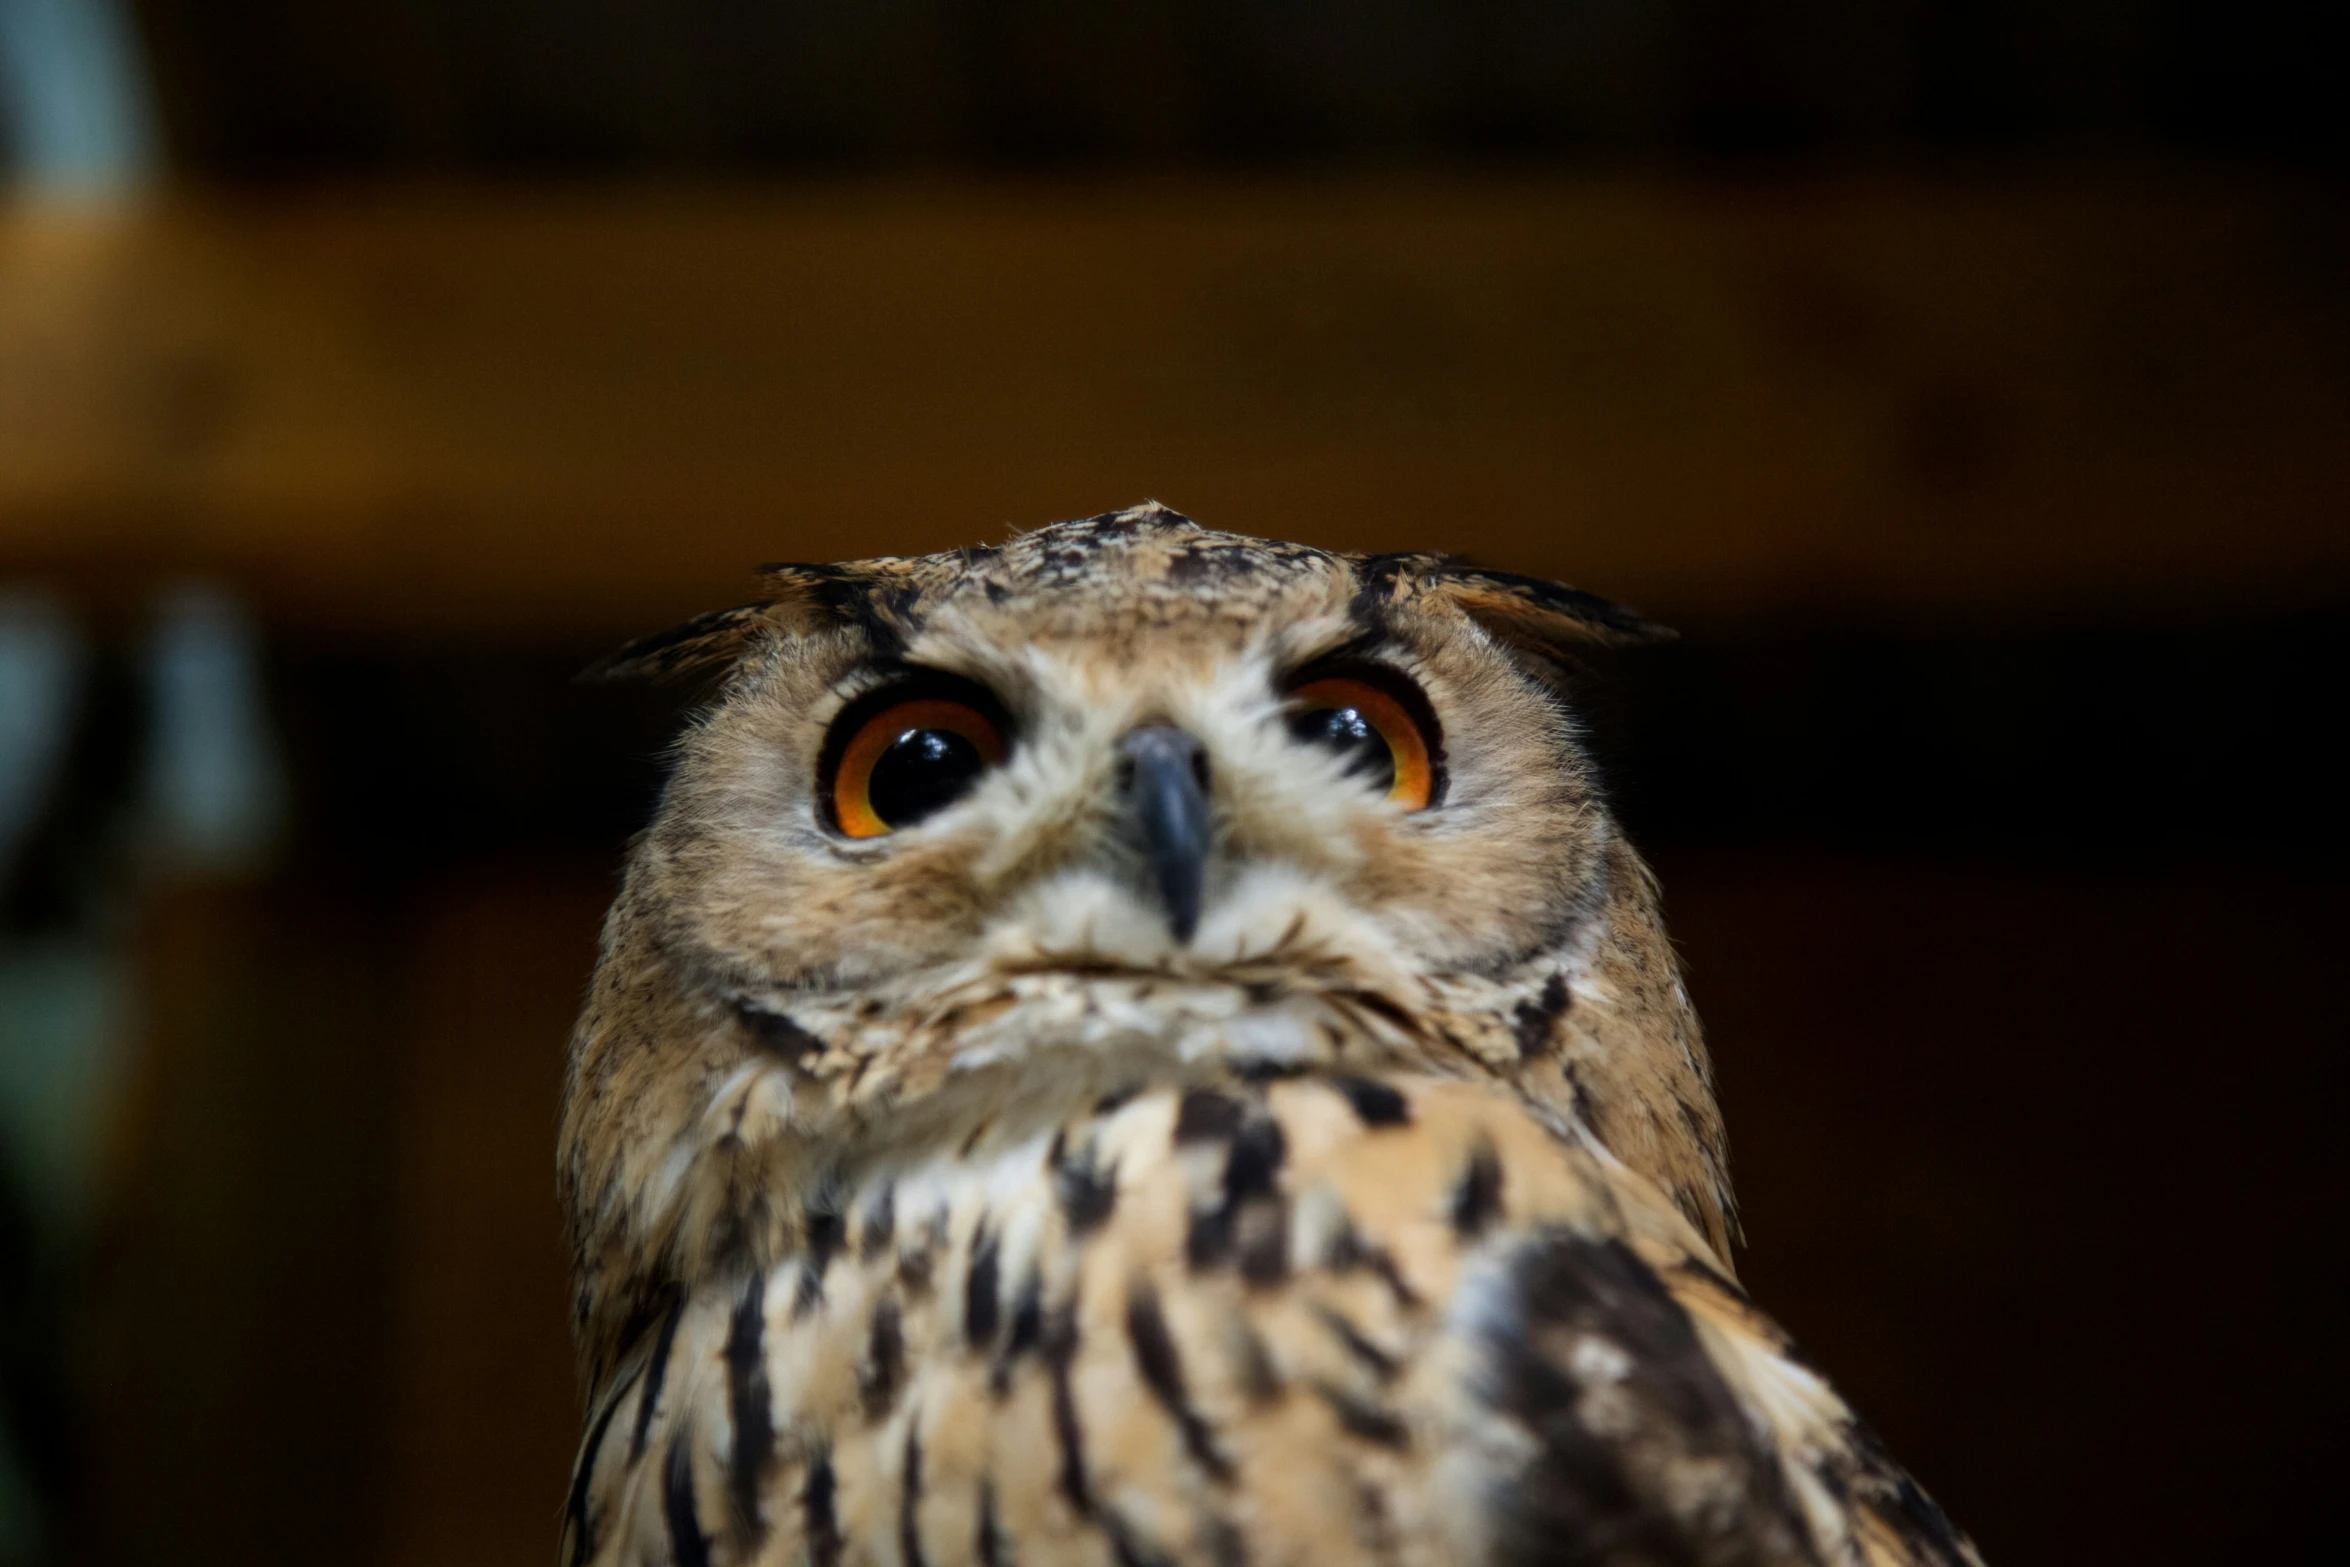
pixel 1546 614
pixel 715 638
pixel 877 597
pixel 880 597
pixel 1546 618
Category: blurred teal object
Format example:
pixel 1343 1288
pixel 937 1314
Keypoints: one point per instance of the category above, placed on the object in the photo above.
pixel 41 658
pixel 208 800
pixel 79 118
pixel 215 794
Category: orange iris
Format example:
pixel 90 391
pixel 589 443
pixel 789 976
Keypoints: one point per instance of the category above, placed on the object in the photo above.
pixel 1407 747
pixel 852 780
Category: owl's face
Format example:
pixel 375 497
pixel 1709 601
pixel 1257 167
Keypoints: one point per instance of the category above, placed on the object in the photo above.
pixel 1132 747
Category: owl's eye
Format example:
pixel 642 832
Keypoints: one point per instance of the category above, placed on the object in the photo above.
pixel 908 759
pixel 1381 740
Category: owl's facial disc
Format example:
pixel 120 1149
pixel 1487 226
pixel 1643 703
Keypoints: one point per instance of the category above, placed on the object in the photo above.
pixel 1301 777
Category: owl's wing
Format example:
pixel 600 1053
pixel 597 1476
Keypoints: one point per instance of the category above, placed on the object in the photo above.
pixel 1300 1321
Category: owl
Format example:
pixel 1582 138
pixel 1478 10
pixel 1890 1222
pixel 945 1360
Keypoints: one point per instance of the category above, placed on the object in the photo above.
pixel 1145 1045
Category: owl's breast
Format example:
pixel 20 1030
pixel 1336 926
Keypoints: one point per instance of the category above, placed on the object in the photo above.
pixel 1323 1318
pixel 996 1057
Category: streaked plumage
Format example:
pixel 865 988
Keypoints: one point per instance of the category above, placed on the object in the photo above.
pixel 942 1197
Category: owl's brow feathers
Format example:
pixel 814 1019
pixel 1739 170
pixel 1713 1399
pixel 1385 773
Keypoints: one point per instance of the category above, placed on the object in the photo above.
pixel 884 597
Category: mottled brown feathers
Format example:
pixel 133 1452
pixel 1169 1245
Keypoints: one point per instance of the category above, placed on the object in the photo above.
pixel 938 1196
pixel 1562 1371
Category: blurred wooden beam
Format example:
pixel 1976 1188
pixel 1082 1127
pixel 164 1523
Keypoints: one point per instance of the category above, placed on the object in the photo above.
pixel 485 1406
pixel 584 412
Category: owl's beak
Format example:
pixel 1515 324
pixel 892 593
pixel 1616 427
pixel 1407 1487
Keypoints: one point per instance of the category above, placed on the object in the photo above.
pixel 1163 773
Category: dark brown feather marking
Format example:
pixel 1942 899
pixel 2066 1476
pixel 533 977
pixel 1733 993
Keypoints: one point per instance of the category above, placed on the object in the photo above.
pixel 1691 1267
pixel 1347 1250
pixel 754 1418
pixel 1251 1175
pixel 1258 1375
pixel 1535 1022
pixel 1376 1103
pixel 1383 1266
pixel 583 1534
pixel 885 1360
pixel 818 1519
pixel 1344 1249
pixel 1207 1116
pixel 808 1294
pixel 1376 1360
pixel 987 1541
pixel 918 1262
pixel 1060 1349
pixel 1476 1199
pixel 1613 1486
pixel 1263 1226
pixel 1208 1239
pixel 1586 1108
pixel 1255 1161
pixel 1088 1193
pixel 880 1225
pixel 1227 1547
pixel 1127 1548
pixel 656 1373
pixel 688 1545
pixel 778 1036
pixel 981 1308
pixel 1026 1333
pixel 1162 1372
pixel 1381 1007
pixel 821 1236
pixel 1364 1419
pixel 910 1500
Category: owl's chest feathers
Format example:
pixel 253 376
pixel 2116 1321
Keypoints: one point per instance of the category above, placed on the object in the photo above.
pixel 1205 1316
pixel 1003 1060
pixel 803 1095
pixel 996 1057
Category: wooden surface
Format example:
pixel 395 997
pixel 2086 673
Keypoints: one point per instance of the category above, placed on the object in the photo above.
pixel 585 412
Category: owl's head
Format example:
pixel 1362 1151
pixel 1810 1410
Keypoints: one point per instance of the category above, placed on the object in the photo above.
pixel 971 836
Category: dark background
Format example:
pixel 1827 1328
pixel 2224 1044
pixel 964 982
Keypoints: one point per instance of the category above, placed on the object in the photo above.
pixel 1969 383
pixel 276 88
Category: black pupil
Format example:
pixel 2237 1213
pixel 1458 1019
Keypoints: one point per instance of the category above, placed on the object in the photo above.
pixel 922 772
pixel 1346 731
